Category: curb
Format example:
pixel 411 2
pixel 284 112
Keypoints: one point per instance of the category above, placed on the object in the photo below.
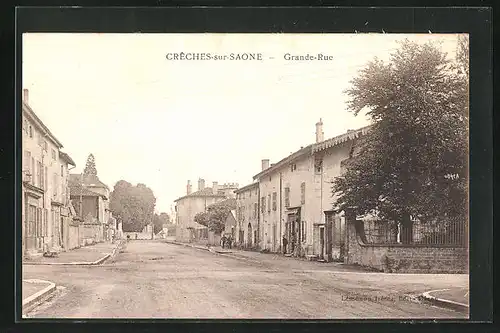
pixel 30 302
pixel 445 303
pixel 78 263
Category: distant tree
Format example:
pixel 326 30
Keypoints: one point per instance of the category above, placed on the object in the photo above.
pixel 163 219
pixel 413 161
pixel 214 218
pixel 133 205
pixel 202 218
pixel 90 168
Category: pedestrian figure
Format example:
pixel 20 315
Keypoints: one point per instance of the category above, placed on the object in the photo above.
pixel 223 241
pixel 135 236
pixel 285 243
pixel 230 241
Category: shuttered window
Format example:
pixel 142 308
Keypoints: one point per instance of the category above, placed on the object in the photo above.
pixel 287 197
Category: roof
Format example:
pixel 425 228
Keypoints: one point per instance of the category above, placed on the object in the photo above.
pixel 87 180
pixel 350 135
pixel 231 203
pixel 40 124
pixel 329 143
pixel 247 187
pixel 292 157
pixel 67 158
pixel 206 192
pixel 82 191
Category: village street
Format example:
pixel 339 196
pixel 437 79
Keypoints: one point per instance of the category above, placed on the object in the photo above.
pixel 154 279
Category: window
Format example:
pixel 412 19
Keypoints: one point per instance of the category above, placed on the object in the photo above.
pixel 318 165
pixel 31 131
pixel 268 203
pixel 275 196
pixel 62 170
pixel 53 154
pixel 45 145
pixel 250 194
pixel 293 167
pixel 39 176
pixel 287 197
pixel 303 193
pixel 33 171
pixel 55 185
pixel 262 204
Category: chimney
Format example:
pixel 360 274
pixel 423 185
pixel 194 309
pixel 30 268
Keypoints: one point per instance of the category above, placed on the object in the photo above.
pixel 319 131
pixel 215 187
pixel 26 96
pixel 265 164
pixel 188 188
pixel 201 184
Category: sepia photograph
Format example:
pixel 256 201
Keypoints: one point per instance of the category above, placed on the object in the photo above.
pixel 245 176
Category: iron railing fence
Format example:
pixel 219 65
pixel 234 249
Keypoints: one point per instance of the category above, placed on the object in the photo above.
pixel 440 233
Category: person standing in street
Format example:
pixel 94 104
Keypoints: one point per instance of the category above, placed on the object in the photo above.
pixel 223 241
pixel 285 243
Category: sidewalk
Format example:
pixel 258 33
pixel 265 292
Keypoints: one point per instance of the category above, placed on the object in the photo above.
pixel 87 255
pixel 454 298
pixel 34 292
pixel 275 258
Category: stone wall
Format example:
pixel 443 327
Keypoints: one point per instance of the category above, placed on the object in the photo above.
pixel 73 236
pixel 402 258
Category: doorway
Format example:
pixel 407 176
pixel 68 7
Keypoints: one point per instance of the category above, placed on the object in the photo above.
pixel 249 235
pixel 322 242
pixel 62 233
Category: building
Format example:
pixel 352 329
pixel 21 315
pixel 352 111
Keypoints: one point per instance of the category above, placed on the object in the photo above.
pixel 193 203
pixel 45 205
pixel 296 197
pixel 229 222
pixel 247 215
pixel 90 198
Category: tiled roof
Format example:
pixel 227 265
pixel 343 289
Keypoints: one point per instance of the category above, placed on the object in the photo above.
pixel 231 203
pixel 247 187
pixel 87 180
pixel 299 153
pixel 67 158
pixel 206 192
pixel 82 191
pixel 351 135
pixel 38 122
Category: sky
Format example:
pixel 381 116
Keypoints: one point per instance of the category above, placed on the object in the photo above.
pixel 162 122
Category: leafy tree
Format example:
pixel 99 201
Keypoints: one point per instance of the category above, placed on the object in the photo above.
pixel 159 221
pixel 133 205
pixel 90 168
pixel 202 218
pixel 413 161
pixel 215 216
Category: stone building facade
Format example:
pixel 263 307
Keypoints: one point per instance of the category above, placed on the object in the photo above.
pixel 296 197
pixel 45 202
pixel 187 206
pixel 247 216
